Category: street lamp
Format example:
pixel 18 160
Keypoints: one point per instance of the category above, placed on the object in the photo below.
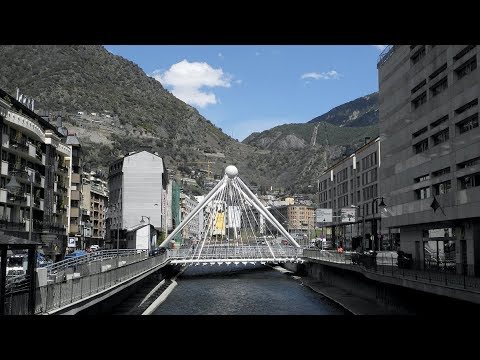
pixel 382 205
pixel 14 187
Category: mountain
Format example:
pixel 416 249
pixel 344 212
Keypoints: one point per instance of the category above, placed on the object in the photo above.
pixel 356 113
pixel 114 108
pixel 71 79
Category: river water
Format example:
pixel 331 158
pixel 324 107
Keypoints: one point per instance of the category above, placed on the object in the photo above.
pixel 243 290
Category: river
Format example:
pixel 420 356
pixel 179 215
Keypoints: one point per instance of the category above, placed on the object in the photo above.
pixel 243 290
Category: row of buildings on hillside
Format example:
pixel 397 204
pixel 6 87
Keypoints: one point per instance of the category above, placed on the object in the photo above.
pixel 416 187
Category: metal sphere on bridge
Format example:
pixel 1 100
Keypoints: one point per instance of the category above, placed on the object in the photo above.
pixel 231 171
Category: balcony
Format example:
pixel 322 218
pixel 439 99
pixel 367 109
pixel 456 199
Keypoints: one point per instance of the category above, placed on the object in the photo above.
pixel 74 229
pixel 75 212
pixel 75 195
pixel 75 178
pixel 12 225
pixel 19 145
pixel 4 167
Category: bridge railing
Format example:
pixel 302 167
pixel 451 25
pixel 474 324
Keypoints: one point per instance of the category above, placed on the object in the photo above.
pixel 59 294
pixel 233 252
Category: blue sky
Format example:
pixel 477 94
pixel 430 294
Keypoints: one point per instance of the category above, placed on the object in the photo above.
pixel 243 88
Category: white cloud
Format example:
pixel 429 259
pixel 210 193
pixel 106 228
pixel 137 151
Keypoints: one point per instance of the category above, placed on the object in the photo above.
pixel 332 74
pixel 188 78
pixel 380 47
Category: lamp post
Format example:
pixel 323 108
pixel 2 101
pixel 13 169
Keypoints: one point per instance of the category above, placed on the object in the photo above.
pixel 14 187
pixel 381 205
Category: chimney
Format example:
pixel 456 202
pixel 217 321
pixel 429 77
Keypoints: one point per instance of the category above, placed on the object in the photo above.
pixel 367 139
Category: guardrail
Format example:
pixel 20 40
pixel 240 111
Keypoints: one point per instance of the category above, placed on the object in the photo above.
pixel 132 254
pixel 57 295
pixel 385 264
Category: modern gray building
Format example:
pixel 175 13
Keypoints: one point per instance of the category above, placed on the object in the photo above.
pixel 430 173
pixel 137 185
pixel 352 184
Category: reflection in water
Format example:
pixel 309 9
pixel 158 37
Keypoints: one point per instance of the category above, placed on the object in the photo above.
pixel 242 290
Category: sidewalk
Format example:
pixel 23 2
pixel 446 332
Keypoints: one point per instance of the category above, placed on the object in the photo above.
pixel 354 304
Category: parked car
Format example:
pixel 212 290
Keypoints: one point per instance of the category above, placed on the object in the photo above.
pixel 95 247
pixel 75 254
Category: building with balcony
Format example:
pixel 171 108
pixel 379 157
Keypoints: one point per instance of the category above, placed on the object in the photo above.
pixel 94 208
pixel 352 184
pixel 32 146
pixel 76 222
pixel 431 153
pixel 137 184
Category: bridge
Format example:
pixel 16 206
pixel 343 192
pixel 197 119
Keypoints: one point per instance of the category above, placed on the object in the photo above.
pixel 238 228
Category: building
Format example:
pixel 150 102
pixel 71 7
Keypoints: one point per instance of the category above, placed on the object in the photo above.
pixel 431 154
pixel 76 218
pixel 30 144
pixel 194 228
pixel 94 206
pixel 351 184
pixel 142 236
pixel 295 218
pixel 136 185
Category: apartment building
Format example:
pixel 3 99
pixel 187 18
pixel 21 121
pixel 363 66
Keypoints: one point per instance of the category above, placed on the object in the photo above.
pixel 295 218
pixel 136 183
pixel 32 148
pixel 350 187
pixel 430 174
pixel 94 208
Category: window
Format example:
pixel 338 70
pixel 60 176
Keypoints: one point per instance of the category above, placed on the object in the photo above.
pixel 422 178
pixel 439 121
pixel 437 72
pixel 441 172
pixel 463 52
pixel 442 188
pixel 466 68
pixel 439 87
pixel 469 163
pixel 419 100
pixel 420 132
pixel 466 182
pixel 358 196
pixel 467 106
pixel 422 193
pixel 419 86
pixel 468 124
pixel 415 58
pixel 440 137
pixel 421 146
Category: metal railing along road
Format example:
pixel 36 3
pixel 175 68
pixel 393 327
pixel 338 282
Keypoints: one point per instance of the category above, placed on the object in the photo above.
pixel 129 255
pixel 387 263
pixel 60 294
